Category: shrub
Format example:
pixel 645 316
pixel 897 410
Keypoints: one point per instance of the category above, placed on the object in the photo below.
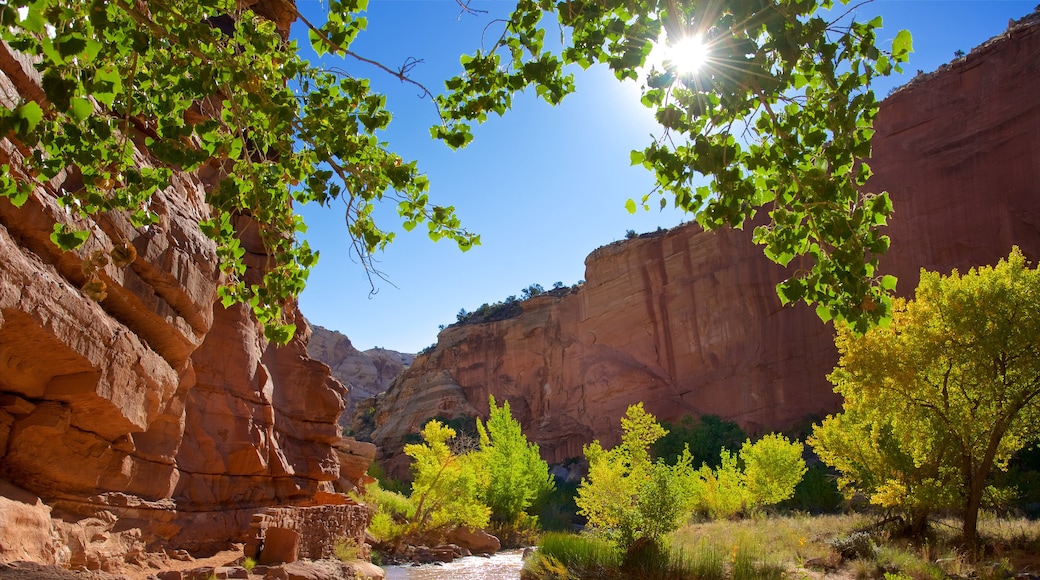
pixel 705 437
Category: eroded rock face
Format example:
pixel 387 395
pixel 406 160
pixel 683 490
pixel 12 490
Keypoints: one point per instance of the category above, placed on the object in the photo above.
pixel 689 321
pixel 365 373
pixel 156 406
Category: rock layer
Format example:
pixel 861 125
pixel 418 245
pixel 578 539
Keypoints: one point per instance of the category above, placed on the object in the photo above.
pixel 365 373
pixel 156 406
pixel 689 321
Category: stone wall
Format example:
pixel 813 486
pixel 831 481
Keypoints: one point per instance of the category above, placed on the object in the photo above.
pixel 320 528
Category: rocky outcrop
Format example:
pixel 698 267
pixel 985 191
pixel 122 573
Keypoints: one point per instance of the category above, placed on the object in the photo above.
pixel 155 408
pixel 365 373
pixel 688 321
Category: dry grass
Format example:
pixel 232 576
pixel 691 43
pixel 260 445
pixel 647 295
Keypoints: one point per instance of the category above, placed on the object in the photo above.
pixel 804 546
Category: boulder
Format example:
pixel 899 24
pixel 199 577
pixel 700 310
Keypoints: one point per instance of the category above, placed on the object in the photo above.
pixel 476 541
pixel 26 533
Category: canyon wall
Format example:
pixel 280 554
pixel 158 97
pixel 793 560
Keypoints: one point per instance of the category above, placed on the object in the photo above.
pixel 689 322
pixel 155 408
pixel 364 373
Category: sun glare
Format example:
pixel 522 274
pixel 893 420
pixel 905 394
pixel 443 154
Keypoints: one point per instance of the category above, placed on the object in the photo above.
pixel 687 55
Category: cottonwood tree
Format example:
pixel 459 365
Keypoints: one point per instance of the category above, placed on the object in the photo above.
pixel 941 398
pixel 515 475
pixel 627 495
pixel 778 118
pixel 445 485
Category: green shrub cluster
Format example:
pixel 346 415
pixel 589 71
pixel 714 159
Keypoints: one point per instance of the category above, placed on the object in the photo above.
pixel 494 484
pixel 628 495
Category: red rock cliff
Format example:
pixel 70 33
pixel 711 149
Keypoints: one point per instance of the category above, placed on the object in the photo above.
pixel 689 321
pixel 155 406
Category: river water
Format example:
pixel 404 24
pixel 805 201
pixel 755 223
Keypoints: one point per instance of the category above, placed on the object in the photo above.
pixel 504 565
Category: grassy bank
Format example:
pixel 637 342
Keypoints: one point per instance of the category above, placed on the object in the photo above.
pixel 796 547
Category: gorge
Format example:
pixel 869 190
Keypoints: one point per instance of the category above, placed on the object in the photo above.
pixel 689 322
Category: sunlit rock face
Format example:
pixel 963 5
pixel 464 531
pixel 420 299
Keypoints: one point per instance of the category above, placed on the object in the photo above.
pixel 365 373
pixel 155 406
pixel 689 321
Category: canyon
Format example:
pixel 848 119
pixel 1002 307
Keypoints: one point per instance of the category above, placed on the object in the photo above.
pixel 147 415
pixel 688 321
pixel 155 417
pixel 365 373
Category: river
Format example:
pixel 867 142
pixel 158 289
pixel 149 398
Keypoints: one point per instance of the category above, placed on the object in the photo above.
pixel 504 565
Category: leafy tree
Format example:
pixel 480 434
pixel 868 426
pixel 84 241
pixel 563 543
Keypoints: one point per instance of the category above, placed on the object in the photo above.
pixel 205 81
pixel 516 475
pixel 531 291
pixel 445 488
pixel 780 116
pixel 944 396
pixel 626 495
pixel 773 466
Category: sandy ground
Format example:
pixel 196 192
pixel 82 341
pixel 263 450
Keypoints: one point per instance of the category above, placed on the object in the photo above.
pixel 33 571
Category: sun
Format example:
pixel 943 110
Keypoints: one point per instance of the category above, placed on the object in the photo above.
pixel 687 55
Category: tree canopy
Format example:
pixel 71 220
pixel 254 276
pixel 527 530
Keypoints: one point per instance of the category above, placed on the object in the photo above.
pixel 515 475
pixel 778 118
pixel 941 398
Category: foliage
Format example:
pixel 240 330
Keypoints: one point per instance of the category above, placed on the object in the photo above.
pixel 720 493
pixel 514 473
pixel 817 492
pixel 779 117
pixel 445 488
pixel 557 511
pixel 626 495
pixel 510 307
pixel 345 550
pixel 767 473
pixel 773 466
pixel 385 481
pixel 205 81
pixel 531 291
pixel 392 512
pixel 705 437
pixel 563 555
pixel 944 396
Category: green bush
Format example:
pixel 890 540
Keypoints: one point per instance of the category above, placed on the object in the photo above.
pixel 626 495
pixel 705 437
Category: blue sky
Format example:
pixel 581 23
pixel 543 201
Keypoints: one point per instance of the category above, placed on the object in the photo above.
pixel 543 186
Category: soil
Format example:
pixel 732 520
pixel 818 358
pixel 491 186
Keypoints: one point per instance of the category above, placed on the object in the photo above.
pixel 156 563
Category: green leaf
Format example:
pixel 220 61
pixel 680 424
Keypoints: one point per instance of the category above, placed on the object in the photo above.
pixel 888 282
pixel 279 333
pixel 630 205
pixel 67 238
pixel 902 46
pixel 824 312
pixel 81 108
pixel 32 114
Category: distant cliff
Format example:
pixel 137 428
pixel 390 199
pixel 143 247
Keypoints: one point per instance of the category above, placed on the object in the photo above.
pixel 365 374
pixel 689 321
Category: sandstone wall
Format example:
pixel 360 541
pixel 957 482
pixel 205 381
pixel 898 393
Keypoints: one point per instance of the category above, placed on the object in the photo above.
pixel 366 374
pixel 689 321
pixel 155 406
